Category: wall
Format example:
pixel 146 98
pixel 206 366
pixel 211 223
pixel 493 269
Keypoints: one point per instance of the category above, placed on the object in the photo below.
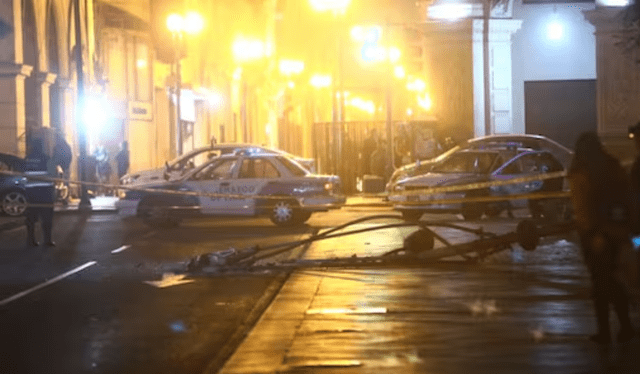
pixel 536 57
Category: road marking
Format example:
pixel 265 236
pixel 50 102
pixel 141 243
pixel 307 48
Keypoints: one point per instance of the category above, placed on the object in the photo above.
pixel 47 283
pixel 118 250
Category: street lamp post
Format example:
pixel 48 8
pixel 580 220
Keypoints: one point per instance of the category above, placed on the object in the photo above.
pixel 337 7
pixel 190 23
pixel 82 132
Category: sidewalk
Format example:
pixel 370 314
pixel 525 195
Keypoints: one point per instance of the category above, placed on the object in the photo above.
pixel 518 312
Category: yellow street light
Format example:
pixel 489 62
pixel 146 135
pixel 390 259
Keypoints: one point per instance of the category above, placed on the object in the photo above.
pixel 290 67
pixel 424 102
pixel 320 81
pixel 193 23
pixel 175 23
pixel 245 49
pixel 416 84
pixel 399 72
pixel 336 6
pixel 190 23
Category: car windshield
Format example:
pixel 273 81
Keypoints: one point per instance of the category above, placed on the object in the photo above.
pixel 466 162
pixel 192 159
pixel 294 168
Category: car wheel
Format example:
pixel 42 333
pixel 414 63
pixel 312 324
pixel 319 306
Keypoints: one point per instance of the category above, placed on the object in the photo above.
pixel 156 215
pixel 14 203
pixel 472 212
pixel 285 213
pixel 411 215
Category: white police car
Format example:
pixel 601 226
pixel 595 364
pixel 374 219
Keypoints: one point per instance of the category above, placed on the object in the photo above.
pixel 242 184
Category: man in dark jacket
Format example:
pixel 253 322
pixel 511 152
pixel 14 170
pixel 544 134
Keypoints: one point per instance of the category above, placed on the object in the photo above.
pixel 122 159
pixel 40 193
pixel 601 198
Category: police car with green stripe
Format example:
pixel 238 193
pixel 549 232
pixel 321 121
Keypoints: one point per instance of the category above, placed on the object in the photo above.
pixel 241 184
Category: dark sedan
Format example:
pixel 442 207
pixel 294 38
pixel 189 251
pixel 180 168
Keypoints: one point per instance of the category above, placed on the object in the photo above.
pixel 13 199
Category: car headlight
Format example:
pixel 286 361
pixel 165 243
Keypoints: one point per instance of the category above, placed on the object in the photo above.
pixel 328 186
pixel 399 188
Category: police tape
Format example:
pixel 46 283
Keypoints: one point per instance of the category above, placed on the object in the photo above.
pixel 479 185
pixel 413 196
pixel 118 187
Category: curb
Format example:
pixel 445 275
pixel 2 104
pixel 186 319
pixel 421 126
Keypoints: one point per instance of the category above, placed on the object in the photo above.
pixel 254 315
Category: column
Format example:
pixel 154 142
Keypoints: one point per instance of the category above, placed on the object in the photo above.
pixel 12 121
pixel 45 80
pixel 500 32
pixel 618 76
pixel 12 74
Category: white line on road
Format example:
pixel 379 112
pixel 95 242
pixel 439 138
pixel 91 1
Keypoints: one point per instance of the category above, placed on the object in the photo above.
pixel 118 250
pixel 47 283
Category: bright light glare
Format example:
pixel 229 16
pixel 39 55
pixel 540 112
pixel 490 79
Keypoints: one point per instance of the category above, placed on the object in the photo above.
pixel 394 54
pixel 364 105
pixel 450 11
pixel 248 49
pixel 289 67
pixel 320 81
pixel 409 112
pixel 337 6
pixel 141 63
pixel 618 3
pixel 213 97
pixel 399 72
pixel 372 52
pixel 237 74
pixel 369 34
pixel 95 112
pixel 416 84
pixel 554 30
pixel 175 23
pixel 425 102
pixel 193 23
pixel 291 84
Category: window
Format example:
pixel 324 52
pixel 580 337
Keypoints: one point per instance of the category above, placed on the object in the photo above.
pixel 294 168
pixel 216 171
pixel 467 162
pixel 258 168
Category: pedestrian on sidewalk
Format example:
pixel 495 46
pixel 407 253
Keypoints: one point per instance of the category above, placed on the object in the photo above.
pixel 601 196
pixel 40 193
pixel 122 159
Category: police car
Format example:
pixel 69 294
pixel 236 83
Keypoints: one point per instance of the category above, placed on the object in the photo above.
pixel 241 184
pixel 470 166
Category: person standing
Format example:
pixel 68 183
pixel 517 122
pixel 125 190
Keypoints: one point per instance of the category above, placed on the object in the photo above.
pixel 40 193
pixel 601 196
pixel 122 159
pixel 368 147
pixel 634 133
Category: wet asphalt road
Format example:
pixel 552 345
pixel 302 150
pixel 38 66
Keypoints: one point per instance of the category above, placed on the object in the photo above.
pixel 516 310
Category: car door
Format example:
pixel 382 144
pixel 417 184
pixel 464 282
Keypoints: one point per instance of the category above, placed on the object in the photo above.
pixel 523 165
pixel 255 173
pixel 214 181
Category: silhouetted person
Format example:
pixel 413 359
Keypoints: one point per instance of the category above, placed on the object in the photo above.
pixel 601 197
pixel 379 160
pixel 122 159
pixel 368 147
pixel 40 193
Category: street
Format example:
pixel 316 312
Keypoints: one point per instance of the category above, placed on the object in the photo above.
pixel 515 311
